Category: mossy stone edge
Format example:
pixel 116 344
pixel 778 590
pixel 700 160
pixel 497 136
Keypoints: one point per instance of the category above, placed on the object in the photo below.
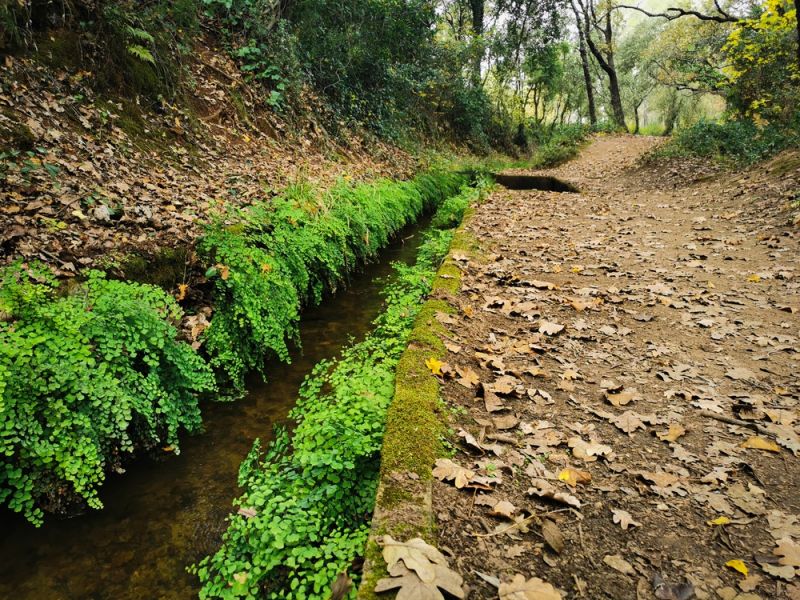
pixel 415 426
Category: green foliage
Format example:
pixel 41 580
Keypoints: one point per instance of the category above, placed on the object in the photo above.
pixel 85 379
pixel 274 257
pixel 307 503
pixel 739 141
pixel 557 145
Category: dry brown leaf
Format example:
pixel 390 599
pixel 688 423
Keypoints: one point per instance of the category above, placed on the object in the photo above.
pixel 549 328
pixel 628 422
pixel 447 470
pixel 552 535
pixel 676 430
pixel 505 422
pixel 504 509
pixel 616 562
pixel 789 552
pixel 542 285
pixel 572 477
pixel 622 398
pixel 589 451
pixel 760 443
pixel 492 401
pixel 532 589
pixel 467 377
pixel 543 489
pixel 624 519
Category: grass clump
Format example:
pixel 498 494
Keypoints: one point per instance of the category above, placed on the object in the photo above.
pixel 273 258
pixel 86 379
pixel 306 508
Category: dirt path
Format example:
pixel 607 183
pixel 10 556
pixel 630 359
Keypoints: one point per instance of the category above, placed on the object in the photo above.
pixel 643 334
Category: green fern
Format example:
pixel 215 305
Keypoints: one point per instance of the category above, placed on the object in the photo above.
pixel 141 53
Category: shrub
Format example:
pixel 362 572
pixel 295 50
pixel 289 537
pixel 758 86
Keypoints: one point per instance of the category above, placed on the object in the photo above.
pixel 305 512
pixel 274 257
pixel 85 379
pixel 740 141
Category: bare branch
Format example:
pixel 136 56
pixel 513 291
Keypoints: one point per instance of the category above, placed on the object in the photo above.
pixel 672 13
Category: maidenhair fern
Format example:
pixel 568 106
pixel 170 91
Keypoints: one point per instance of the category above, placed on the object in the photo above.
pixel 86 379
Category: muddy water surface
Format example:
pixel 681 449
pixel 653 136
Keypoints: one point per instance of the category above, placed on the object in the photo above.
pixel 163 515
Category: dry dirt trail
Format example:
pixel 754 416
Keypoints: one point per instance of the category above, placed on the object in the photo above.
pixel 625 387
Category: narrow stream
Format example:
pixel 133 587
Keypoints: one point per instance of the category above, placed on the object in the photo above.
pixel 163 515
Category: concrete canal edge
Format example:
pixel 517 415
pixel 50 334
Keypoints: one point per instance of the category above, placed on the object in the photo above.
pixel 416 424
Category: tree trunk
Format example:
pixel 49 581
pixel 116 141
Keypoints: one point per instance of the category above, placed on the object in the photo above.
pixel 606 62
pixel 672 115
pixel 613 81
pixel 477 8
pixel 587 75
pixel 636 118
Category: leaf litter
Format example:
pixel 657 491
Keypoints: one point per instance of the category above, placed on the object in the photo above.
pixel 641 452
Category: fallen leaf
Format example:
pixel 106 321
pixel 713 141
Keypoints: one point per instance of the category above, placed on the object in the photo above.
pixel 532 589
pixel 616 562
pixel 789 552
pixel 447 470
pixel 434 365
pixel 548 328
pixel 552 535
pixel 740 373
pixel 622 398
pixel 542 285
pixel 676 430
pixel 628 422
pixel 544 489
pixel 737 565
pixel 723 520
pixel 624 519
pixel 760 443
pixel 504 509
pixel 573 477
pixel 467 377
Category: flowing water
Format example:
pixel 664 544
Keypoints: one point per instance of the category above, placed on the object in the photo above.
pixel 163 515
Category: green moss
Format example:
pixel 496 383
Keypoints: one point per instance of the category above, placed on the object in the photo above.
pixel 415 428
pixel 59 49
pixel 14 135
pixel 166 268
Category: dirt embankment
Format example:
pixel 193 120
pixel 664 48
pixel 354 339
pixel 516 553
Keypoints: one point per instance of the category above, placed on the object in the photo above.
pixel 86 179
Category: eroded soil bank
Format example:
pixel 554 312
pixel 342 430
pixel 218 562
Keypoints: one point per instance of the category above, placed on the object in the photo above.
pixel 624 374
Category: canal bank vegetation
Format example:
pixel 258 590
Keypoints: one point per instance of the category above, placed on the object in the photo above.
pixel 293 249
pixel 87 377
pixel 96 372
pixel 306 510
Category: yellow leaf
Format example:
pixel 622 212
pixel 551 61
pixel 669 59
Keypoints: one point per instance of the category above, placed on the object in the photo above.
pixel 557 269
pixel 434 365
pixel 469 311
pixel 573 477
pixel 760 443
pixel 737 565
pixel 719 521
pixel 754 278
pixel 576 269
pixel 182 289
pixel 266 268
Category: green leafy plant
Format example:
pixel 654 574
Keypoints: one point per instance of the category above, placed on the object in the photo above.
pixel 305 512
pixel 274 257
pixel 86 379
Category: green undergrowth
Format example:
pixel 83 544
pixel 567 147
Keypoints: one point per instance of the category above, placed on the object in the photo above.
pixel 736 142
pixel 87 376
pixel 305 512
pixel 273 258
